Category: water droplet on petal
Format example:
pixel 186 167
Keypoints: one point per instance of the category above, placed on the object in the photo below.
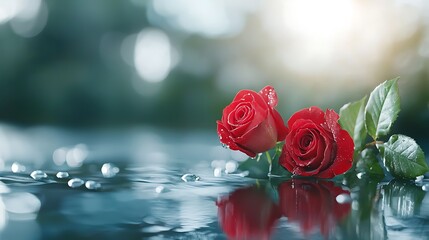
pixel 343 198
pixel 38 174
pixel 62 175
pixel 92 185
pixel 17 168
pixel 109 170
pixel 189 177
pixel 75 182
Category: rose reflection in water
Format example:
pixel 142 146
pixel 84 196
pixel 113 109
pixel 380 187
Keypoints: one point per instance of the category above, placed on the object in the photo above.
pixel 312 204
pixel 248 213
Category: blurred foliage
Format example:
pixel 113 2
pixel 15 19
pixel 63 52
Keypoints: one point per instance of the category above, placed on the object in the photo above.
pixel 73 73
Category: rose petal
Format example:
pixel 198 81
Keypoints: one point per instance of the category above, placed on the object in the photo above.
pixel 344 159
pixel 261 138
pixel 331 118
pixel 251 96
pixel 315 114
pixel 269 95
pixel 225 138
pixel 282 130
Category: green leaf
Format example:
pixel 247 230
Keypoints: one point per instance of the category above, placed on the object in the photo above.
pixel 382 108
pixel 403 158
pixel 255 169
pixel 368 163
pixel 352 119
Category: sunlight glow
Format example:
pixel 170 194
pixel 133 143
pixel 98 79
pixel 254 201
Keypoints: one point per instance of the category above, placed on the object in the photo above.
pixel 313 18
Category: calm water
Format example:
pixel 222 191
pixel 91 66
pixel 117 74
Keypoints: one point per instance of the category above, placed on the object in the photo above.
pixel 157 184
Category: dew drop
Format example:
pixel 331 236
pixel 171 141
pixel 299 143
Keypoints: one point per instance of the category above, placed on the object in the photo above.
pixel 360 175
pixel 343 198
pixel 109 170
pixel 75 182
pixel 425 187
pixel 189 177
pixel 92 185
pixel 17 168
pixel 62 175
pixel 38 174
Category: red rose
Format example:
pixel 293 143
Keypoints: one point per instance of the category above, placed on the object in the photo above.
pixel 316 145
pixel 312 204
pixel 250 123
pixel 247 213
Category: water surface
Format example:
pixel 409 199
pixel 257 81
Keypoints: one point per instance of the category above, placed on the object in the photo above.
pixel 158 184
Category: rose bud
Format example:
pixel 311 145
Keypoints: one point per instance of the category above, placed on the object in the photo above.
pixel 313 205
pixel 317 145
pixel 247 213
pixel 251 124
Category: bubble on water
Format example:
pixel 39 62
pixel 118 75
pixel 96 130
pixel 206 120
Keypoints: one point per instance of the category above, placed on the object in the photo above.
pixel 155 229
pixel 17 168
pixel 38 174
pixel 231 166
pixel 22 203
pixel 419 178
pixel 150 220
pixel 360 175
pixel 109 170
pixel 62 175
pixel 160 189
pixel 343 198
pixel 244 174
pixel 75 182
pixel 217 172
pixel 189 177
pixel 425 187
pixel 92 185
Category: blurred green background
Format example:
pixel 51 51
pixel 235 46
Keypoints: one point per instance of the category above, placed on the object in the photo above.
pixel 176 64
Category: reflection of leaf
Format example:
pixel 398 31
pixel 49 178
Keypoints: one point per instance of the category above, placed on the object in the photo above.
pixel 382 108
pixel 352 120
pixel 403 158
pixel 403 198
pixel 368 163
